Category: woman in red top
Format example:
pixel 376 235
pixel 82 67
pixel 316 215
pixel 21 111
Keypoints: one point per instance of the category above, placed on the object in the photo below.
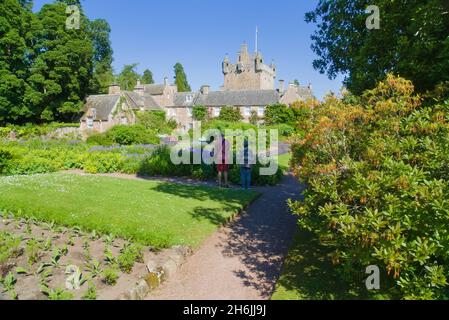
pixel 223 149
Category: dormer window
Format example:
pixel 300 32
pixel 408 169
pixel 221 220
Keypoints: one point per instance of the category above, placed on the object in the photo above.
pixel 94 113
pixel 189 98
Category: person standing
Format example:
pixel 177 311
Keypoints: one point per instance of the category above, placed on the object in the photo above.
pixel 245 166
pixel 223 148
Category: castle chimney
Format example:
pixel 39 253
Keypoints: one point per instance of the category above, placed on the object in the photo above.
pixel 114 89
pixel 281 86
pixel 166 81
pixel 205 89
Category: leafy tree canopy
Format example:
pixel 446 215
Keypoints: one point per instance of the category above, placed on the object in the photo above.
pixel 231 114
pixel 147 77
pixel 181 79
pixel 47 70
pixel 412 41
pixel 199 113
pixel 279 114
pixel 128 77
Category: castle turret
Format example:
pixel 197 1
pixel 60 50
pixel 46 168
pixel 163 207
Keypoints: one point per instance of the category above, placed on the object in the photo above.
pixel 249 72
pixel 226 65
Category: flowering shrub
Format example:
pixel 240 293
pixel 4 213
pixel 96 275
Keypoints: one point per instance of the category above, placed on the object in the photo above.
pixel 377 170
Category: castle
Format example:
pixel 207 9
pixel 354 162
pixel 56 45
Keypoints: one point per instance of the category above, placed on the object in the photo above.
pixel 248 73
pixel 249 85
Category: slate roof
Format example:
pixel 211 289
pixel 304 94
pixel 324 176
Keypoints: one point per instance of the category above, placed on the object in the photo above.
pixel 137 101
pixel 103 104
pixel 229 98
pixel 154 89
pixel 305 92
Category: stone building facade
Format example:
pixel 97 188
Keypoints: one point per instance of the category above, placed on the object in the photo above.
pixel 249 84
pixel 248 73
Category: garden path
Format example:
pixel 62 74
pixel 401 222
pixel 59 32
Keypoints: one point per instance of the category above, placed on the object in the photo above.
pixel 243 260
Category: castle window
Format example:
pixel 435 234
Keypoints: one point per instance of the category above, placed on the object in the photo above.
pixel 261 111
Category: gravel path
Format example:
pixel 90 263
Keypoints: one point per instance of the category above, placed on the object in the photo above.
pixel 243 260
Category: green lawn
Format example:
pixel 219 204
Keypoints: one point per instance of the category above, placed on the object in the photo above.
pixel 284 161
pixel 155 213
pixel 308 274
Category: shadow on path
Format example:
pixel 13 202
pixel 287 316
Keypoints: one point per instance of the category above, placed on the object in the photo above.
pixel 262 236
pixel 243 260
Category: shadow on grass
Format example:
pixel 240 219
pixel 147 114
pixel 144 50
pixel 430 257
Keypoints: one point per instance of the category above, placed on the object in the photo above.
pixel 308 274
pixel 231 201
pixel 200 213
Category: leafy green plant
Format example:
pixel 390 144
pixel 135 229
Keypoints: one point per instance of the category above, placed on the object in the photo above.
pixel 279 114
pixel 109 256
pixel 9 282
pixel 94 267
pixel 91 293
pixel 199 113
pixel 377 176
pixel 231 114
pixel 21 270
pixel 33 248
pixel 57 293
pixel 129 255
pixel 110 276
pixel 99 139
pixel 5 158
pixel 56 256
pixel 156 122
pixel 109 239
pixel 129 135
pixel 71 241
pixel 9 246
pixel 47 245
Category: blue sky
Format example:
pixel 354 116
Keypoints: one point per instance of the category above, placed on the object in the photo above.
pixel 199 33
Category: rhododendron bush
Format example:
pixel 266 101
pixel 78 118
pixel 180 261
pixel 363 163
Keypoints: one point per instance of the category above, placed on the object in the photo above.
pixel 377 170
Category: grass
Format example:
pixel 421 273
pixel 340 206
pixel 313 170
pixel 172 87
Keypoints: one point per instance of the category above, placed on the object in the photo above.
pixel 284 161
pixel 154 213
pixel 308 274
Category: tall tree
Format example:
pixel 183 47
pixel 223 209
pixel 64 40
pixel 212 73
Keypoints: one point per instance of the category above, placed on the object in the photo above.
pixel 412 41
pixel 181 79
pixel 128 77
pixel 147 77
pixel 103 73
pixel 62 69
pixel 16 22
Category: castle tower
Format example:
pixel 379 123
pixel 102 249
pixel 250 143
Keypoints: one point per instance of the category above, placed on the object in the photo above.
pixel 248 73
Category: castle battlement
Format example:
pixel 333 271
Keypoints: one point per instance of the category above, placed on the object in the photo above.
pixel 248 73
